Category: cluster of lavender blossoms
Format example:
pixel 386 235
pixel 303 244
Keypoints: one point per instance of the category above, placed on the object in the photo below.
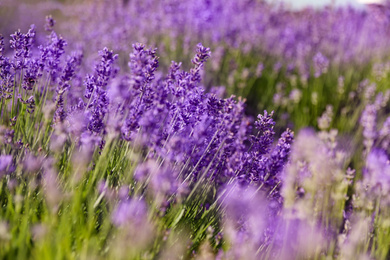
pixel 191 136
pixel 188 142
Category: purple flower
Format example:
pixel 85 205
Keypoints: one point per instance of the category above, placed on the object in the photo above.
pixel 384 135
pixel 32 163
pixel 72 64
pixel 202 54
pixel 377 171
pixel 68 73
pixel 141 90
pixel 279 157
pixel 51 54
pixel 51 186
pixel 143 63
pixel 131 211
pixel 90 85
pixel 6 78
pixel 21 44
pixel 60 113
pixel 5 164
pixel 260 166
pixel 262 142
pixel 105 69
pixel 97 111
pixel 368 122
pixel 31 75
pixel 321 64
pixel 245 219
pixel 98 102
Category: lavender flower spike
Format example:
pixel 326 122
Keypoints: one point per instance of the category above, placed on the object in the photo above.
pixel 21 44
pixel 281 152
pixel 202 54
pixel 368 122
pixel 263 141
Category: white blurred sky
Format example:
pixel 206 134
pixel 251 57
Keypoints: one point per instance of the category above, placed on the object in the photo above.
pixel 319 3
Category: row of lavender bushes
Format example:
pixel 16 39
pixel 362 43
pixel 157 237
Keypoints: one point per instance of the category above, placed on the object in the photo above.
pixel 293 62
pixel 122 159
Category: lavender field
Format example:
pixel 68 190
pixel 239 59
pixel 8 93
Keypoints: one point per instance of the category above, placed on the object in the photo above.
pixel 166 129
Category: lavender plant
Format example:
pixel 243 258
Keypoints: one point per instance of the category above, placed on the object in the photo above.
pixel 85 163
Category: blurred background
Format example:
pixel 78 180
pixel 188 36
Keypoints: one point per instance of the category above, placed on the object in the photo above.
pixel 305 3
